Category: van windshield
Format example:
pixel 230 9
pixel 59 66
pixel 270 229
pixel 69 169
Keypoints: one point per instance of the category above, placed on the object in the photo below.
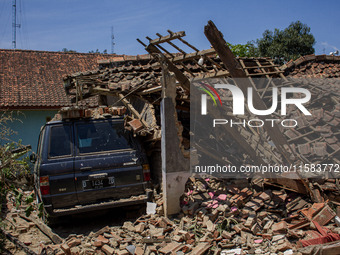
pixel 102 136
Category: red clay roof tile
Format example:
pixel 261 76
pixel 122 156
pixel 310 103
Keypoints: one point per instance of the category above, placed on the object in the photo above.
pixel 34 79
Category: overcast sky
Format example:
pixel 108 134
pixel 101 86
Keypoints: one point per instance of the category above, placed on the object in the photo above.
pixel 85 25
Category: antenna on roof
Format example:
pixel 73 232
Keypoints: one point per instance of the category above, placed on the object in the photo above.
pixel 112 41
pixel 14 24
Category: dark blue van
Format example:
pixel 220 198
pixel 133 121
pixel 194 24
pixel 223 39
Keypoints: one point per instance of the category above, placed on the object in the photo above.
pixel 89 164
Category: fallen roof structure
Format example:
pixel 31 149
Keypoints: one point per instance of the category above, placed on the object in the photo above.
pixel 136 82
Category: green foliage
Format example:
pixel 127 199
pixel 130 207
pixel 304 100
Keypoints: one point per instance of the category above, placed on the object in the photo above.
pixel 13 160
pixel 98 51
pixel 66 50
pixel 243 50
pixel 283 45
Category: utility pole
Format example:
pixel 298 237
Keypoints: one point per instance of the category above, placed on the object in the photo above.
pixel 112 41
pixel 14 24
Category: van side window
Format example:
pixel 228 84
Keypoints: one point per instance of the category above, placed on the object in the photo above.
pixel 60 141
pixel 41 142
pixel 101 137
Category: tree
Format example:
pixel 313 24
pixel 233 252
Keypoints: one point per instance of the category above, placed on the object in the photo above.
pixel 13 164
pixel 283 45
pixel 243 50
pixel 66 50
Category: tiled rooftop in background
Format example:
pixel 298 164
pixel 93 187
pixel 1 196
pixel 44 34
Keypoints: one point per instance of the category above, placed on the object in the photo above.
pixel 311 66
pixel 34 79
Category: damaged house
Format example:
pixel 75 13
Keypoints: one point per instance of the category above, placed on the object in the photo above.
pixel 141 82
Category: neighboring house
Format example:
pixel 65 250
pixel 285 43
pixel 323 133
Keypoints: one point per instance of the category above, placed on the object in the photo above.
pixel 31 85
pixel 313 66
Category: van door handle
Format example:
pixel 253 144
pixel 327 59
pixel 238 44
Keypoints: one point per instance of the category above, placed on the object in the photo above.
pixel 85 168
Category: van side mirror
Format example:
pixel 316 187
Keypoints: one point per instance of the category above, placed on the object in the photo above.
pixel 33 158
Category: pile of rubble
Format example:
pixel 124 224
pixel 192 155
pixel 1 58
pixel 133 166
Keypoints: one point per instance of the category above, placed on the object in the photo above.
pixel 218 217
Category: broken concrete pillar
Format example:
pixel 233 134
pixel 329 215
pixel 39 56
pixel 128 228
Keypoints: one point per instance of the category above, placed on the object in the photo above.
pixel 175 168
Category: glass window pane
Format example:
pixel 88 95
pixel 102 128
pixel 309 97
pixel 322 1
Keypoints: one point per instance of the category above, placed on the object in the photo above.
pixel 102 136
pixel 60 141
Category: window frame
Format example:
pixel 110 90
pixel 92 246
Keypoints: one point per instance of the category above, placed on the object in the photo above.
pixel 49 142
pixel 111 123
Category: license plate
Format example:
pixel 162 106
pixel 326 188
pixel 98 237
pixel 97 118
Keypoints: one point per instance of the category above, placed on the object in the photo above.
pixel 99 184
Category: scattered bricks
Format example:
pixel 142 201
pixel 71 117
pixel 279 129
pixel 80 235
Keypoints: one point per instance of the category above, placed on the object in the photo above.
pixel 75 251
pixel 280 227
pixel 265 196
pixel 128 225
pixel 139 250
pixel 255 204
pixel 268 226
pixel 255 229
pixel 102 231
pixel 122 252
pixel 186 248
pixel 191 241
pixel 277 238
pixel 87 113
pixel 193 208
pixel 121 110
pixel 27 241
pixel 74 242
pixel 189 236
pixel 210 226
pixel 170 248
pixel 178 238
pixel 150 249
pixel 267 236
pixel 155 232
pixel 250 220
pixel 65 248
pixel 140 228
pixel 238 228
pixel 324 216
pixel 214 214
pixel 284 246
pixel 97 243
pixel 107 235
pixel 201 248
pixel 338 211
pixel 162 223
pixel 21 230
pixel 136 125
pixel 102 239
pixel 226 235
pixel 207 237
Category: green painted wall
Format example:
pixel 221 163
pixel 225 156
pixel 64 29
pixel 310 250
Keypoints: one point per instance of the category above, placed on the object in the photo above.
pixel 29 128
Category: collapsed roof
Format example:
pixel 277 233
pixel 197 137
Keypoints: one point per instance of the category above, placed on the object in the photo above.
pixel 316 140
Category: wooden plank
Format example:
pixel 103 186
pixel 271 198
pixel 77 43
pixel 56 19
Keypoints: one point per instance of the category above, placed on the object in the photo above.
pixel 179 75
pixel 132 109
pixel 183 41
pixel 17 242
pixel 189 56
pixel 221 73
pixel 216 39
pixel 44 228
pixel 167 38
pixel 266 73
